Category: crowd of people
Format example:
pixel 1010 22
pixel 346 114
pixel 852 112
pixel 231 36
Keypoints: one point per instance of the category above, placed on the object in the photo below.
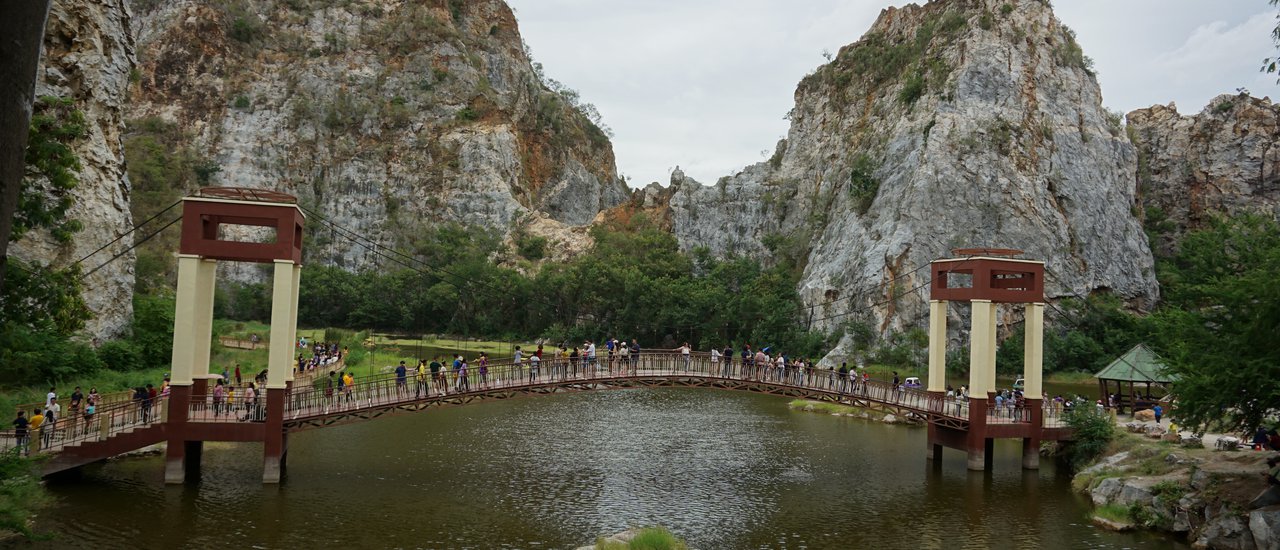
pixel 51 422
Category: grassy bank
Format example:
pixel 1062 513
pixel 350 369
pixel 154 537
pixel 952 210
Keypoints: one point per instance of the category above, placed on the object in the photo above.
pixel 648 538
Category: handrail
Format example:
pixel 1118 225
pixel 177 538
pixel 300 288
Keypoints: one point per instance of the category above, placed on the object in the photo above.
pixel 381 390
pixel 107 421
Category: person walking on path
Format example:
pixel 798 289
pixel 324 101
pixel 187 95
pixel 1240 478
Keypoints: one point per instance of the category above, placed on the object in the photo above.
pixel 1158 411
pixel 20 433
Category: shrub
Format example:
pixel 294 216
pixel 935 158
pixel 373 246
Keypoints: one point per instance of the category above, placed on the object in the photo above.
pixel 120 355
pixel 1006 9
pixel 863 185
pixel 1093 432
pixel 531 247
pixel 912 88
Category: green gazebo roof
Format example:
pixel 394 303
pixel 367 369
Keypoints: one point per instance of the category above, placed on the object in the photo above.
pixel 1139 364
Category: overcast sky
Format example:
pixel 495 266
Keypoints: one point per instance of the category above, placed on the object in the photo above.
pixel 704 84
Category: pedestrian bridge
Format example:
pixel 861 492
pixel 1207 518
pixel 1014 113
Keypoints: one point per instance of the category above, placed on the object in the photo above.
pixel 123 427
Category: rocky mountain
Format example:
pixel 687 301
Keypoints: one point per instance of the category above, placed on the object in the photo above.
pixel 953 124
pixel 387 117
pixel 1222 160
pixel 88 56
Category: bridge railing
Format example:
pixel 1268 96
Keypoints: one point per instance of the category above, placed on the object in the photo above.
pixel 330 395
pixel 107 421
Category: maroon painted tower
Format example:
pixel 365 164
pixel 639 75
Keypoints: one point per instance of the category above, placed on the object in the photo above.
pixel 984 278
pixel 203 214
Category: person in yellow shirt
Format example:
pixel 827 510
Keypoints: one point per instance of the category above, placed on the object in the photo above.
pixel 35 424
pixel 348 381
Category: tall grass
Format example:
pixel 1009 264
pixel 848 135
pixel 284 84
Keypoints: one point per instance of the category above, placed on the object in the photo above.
pixel 648 538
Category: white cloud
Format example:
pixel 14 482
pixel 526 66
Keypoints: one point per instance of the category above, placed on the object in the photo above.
pixel 704 84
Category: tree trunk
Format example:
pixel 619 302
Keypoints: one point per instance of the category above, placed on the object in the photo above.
pixel 21 37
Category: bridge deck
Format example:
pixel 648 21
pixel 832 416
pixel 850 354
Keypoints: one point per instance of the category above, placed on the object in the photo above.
pixel 123 427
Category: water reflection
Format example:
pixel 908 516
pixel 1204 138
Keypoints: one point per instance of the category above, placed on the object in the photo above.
pixel 725 470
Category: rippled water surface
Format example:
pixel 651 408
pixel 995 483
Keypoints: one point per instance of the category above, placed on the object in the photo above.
pixel 723 470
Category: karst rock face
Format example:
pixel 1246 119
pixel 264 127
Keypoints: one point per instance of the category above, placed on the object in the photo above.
pixel 950 125
pixel 385 117
pixel 1220 161
pixel 88 55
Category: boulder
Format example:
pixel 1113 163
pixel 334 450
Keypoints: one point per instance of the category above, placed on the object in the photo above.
pixel 1154 431
pixel 890 419
pixel 1145 416
pixel 1105 463
pixel 1264 523
pixel 1226 531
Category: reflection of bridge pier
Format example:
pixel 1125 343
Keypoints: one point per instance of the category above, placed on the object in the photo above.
pixel 986 278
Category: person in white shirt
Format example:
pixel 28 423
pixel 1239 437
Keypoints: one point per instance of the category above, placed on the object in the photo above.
pixel 715 362
pixel 48 398
pixel 684 352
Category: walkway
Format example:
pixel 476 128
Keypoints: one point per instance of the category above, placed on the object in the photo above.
pixel 126 426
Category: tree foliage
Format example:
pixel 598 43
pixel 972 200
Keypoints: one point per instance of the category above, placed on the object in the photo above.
pixel 1220 327
pixel 51 170
pixel 634 282
pixel 1093 432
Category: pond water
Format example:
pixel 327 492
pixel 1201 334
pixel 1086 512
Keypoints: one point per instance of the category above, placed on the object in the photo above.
pixel 721 469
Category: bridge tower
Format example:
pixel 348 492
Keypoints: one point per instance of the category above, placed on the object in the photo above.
pixel 983 278
pixel 200 249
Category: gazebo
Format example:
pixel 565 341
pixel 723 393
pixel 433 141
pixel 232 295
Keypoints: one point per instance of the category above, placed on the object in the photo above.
pixel 1139 365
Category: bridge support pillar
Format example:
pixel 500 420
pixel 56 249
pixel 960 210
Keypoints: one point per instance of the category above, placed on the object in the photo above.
pixel 937 346
pixel 977 445
pixel 175 462
pixel 273 445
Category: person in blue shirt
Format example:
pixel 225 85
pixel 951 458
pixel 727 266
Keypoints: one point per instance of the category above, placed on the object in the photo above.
pixel 402 379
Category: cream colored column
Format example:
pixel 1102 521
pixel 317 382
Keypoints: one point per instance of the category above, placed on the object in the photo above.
pixel 206 276
pixel 184 320
pixel 981 333
pixel 1033 351
pixel 293 318
pixel 992 348
pixel 938 346
pixel 281 350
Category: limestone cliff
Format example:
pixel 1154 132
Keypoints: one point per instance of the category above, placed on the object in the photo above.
pixel 388 117
pixel 88 55
pixel 1222 160
pixel 953 124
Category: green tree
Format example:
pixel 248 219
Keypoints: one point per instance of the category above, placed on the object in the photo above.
pixel 1220 328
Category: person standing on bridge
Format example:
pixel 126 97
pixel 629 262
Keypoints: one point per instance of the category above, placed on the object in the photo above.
pixel 635 357
pixel 483 363
pixel 238 380
pixel 726 356
pixel 591 355
pixel 463 382
pixel 219 393
pixel 534 361
pixel 457 370
pixel 624 357
pixel 437 377
pixel 402 379
pixel 420 373
pixel 348 386
pixel 516 365
pixel 684 354
pixel 37 425
pixel 573 361
pixel 715 362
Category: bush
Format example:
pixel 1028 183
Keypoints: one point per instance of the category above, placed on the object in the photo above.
pixel 1093 432
pixel 531 247
pixel 32 356
pixel 912 89
pixel 153 329
pixel 863 185
pixel 21 494
pixel 120 355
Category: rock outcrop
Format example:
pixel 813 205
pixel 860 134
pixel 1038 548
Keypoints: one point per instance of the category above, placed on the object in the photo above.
pixel 88 57
pixel 1220 161
pixel 948 125
pixel 387 118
